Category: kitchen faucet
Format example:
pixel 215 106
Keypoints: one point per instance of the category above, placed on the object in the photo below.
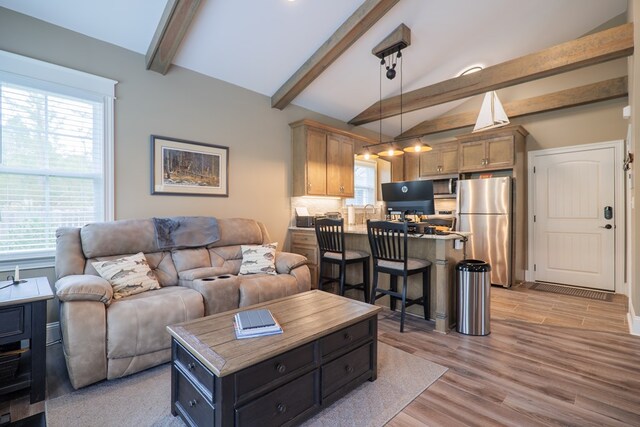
pixel 364 217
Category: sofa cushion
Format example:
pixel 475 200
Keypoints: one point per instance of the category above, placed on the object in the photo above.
pixel 130 236
pixel 128 275
pixel 137 324
pixel 239 231
pixel 221 293
pixel 258 259
pixel 188 259
pixel 258 288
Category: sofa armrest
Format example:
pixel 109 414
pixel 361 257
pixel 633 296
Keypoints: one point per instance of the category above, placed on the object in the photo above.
pixel 84 287
pixel 287 261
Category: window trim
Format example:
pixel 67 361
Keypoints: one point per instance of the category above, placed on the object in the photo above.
pixel 44 75
pixel 374 163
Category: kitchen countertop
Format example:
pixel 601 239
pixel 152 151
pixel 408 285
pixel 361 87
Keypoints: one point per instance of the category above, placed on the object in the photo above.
pixel 362 229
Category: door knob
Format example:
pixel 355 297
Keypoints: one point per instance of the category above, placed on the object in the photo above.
pixel 608 226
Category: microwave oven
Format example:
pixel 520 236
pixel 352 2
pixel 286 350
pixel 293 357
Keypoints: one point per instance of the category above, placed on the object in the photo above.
pixel 445 188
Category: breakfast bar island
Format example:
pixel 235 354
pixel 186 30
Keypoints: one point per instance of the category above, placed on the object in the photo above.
pixel 439 249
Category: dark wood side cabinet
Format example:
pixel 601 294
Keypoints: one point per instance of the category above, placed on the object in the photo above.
pixel 284 389
pixel 23 316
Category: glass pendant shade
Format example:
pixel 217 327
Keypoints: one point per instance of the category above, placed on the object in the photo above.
pixel 366 155
pixel 390 152
pixel 418 147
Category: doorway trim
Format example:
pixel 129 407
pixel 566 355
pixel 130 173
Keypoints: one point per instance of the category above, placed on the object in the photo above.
pixel 620 286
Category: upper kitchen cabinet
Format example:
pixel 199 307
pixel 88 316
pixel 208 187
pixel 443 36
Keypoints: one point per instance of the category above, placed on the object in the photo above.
pixel 441 160
pixel 340 158
pixel 323 159
pixel 491 150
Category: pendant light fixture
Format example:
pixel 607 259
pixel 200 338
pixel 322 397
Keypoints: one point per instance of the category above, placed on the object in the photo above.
pixel 389 62
pixel 492 114
pixel 417 147
pixel 389 51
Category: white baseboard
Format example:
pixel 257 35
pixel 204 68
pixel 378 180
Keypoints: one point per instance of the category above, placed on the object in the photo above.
pixel 634 321
pixel 53 333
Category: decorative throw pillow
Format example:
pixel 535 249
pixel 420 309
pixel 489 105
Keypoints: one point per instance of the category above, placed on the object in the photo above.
pixel 129 275
pixel 258 259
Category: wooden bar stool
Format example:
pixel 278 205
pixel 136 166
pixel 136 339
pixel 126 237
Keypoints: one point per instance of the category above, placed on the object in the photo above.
pixel 388 241
pixel 330 236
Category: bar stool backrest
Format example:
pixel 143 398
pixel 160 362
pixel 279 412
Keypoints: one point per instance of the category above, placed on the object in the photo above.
pixel 330 235
pixel 388 241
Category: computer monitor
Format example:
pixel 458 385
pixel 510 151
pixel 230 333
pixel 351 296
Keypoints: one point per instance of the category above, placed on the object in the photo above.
pixel 409 197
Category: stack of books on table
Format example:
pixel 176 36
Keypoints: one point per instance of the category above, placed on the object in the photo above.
pixel 255 323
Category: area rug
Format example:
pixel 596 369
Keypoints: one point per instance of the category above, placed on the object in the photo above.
pixel 144 398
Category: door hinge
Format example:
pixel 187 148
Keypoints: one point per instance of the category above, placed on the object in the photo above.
pixel 534 267
pixel 534 169
pixel 534 218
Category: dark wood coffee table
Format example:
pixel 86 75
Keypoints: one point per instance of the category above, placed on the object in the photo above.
pixel 329 346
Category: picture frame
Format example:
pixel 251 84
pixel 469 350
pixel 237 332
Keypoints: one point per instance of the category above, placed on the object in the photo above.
pixel 188 168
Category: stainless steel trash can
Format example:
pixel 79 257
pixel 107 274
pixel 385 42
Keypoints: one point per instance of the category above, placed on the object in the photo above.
pixel 474 297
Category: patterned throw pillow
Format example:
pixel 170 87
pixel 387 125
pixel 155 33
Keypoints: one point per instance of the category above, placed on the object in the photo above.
pixel 258 259
pixel 129 275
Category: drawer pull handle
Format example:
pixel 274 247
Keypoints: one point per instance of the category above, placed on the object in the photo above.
pixel 193 403
pixel 282 408
pixel 348 336
pixel 349 369
pixel 191 366
pixel 281 368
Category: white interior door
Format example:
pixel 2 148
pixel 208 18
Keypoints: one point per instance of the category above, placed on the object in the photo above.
pixel 574 243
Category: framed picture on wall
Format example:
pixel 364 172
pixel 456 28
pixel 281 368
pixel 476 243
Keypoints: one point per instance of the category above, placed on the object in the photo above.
pixel 188 168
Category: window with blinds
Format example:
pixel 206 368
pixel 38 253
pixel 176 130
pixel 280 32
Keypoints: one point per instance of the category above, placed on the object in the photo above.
pixel 52 164
pixel 364 175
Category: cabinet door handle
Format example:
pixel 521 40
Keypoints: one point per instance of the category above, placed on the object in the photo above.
pixel 282 408
pixel 348 336
pixel 193 403
pixel 281 368
pixel 349 369
pixel 191 366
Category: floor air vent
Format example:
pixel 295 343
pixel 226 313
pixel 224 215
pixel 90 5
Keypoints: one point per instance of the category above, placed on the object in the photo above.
pixel 575 292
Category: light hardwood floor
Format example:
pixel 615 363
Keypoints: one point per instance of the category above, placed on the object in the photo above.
pixel 550 360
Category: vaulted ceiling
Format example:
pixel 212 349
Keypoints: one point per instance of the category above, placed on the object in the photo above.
pixel 259 44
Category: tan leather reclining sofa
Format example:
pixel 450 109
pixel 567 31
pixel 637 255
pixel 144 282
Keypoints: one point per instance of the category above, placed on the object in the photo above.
pixel 108 338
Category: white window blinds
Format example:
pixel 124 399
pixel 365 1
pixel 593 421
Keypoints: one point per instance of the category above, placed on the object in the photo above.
pixel 52 163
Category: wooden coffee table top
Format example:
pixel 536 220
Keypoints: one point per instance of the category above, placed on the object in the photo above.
pixel 304 317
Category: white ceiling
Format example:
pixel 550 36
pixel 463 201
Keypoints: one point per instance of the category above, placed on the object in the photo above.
pixel 259 44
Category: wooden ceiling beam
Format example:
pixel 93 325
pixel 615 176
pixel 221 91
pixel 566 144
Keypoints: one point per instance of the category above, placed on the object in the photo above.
pixel 593 49
pixel 595 92
pixel 172 28
pixel 351 30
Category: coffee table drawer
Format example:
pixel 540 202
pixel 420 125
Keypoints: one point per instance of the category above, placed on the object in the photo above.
pixel 196 370
pixel 346 337
pixel 193 405
pixel 283 366
pixel 282 404
pixel 345 369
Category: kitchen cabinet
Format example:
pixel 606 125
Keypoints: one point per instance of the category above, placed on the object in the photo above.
pixel 441 160
pixel 490 150
pixel 304 242
pixel 340 166
pixel 323 159
pixel 316 162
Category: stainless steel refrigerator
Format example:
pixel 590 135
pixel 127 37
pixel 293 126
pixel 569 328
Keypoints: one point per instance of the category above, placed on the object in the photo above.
pixel 484 209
